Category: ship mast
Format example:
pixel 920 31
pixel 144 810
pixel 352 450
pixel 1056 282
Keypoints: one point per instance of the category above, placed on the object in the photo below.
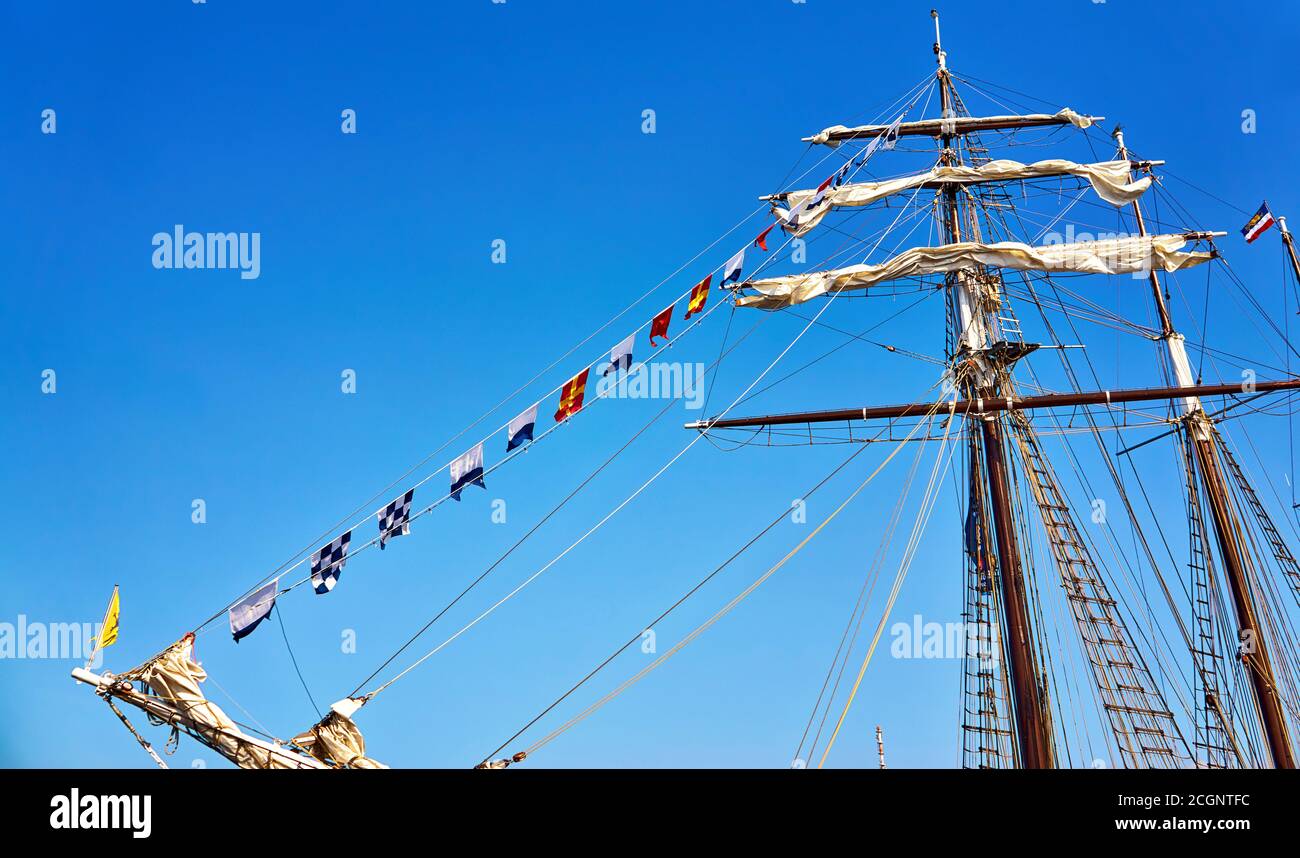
pixel 1001 438
pixel 1203 438
pixel 1032 731
pixel 1290 248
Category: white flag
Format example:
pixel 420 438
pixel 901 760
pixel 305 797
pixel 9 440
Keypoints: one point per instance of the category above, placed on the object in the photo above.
pixel 252 609
pixel 520 430
pixel 467 470
pixel 733 267
pixel 890 137
pixel 620 357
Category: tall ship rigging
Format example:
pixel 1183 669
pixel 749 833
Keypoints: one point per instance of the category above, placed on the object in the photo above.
pixel 1176 650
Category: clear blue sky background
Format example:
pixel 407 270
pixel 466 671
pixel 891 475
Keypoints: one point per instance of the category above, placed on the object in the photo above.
pixel 519 121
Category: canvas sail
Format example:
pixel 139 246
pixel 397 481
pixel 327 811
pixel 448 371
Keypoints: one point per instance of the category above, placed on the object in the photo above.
pixel 1129 255
pixel 1110 180
pixel 175 678
pixel 337 740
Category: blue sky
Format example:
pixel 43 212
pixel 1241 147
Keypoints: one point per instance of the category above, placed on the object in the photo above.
pixel 519 121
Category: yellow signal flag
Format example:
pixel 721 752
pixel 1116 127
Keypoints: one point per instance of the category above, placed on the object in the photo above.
pixel 108 630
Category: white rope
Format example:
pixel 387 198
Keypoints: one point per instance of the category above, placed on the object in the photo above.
pixel 713 620
pixel 634 494
pixel 928 499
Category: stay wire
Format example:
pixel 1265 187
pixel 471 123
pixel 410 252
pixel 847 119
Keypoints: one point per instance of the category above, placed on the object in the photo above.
pixel 723 352
pixel 279 615
pixel 537 526
pixel 636 493
pixel 675 605
pixel 722 612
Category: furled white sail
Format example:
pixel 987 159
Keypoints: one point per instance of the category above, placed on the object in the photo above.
pixel 1112 256
pixel 954 125
pixel 1110 179
pixel 174 677
pixel 337 740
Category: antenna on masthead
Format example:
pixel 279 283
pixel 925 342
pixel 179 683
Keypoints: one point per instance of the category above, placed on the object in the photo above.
pixel 939 55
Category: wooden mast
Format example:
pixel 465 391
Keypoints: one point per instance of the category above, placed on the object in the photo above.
pixel 1254 653
pixel 1033 735
pixel 1290 249
pixel 986 393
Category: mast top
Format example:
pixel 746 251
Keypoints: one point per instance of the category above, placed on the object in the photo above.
pixel 940 56
pixel 1118 134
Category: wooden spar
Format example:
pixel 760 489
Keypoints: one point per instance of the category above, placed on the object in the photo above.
pixel 108 687
pixel 938 127
pixel 994 405
pixel 1202 434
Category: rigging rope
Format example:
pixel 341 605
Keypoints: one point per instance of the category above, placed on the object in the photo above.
pixel 655 419
pixel 674 606
pixel 510 457
pixel 859 611
pixel 705 626
pixel 279 615
pixel 298 558
pixel 489 470
pixel 626 500
pixel 928 499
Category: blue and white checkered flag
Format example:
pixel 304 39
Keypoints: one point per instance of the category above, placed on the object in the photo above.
pixel 395 519
pixel 327 564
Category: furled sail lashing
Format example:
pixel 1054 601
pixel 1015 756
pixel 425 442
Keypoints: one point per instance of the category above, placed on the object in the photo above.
pixel 1133 254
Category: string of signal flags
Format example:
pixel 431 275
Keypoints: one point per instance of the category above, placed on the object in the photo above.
pixel 468 470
